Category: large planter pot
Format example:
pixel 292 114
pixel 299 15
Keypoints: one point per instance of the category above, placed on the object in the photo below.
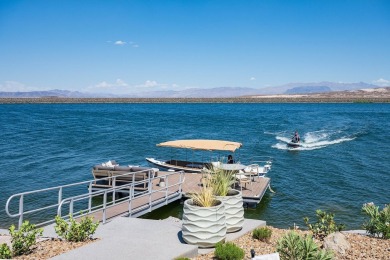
pixel 203 227
pixel 234 210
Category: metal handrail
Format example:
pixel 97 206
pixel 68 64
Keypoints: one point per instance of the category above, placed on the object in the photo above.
pixel 129 198
pixel 60 189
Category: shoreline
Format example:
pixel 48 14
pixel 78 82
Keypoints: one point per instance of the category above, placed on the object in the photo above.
pixel 258 99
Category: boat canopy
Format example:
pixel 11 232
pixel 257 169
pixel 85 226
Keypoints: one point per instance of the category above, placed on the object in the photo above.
pixel 199 144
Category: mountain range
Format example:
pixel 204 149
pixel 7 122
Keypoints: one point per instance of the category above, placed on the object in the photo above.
pixel 219 92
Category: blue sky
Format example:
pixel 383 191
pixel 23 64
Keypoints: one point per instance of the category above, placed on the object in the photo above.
pixel 131 46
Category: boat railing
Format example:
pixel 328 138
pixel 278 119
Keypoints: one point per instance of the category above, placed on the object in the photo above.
pixel 59 190
pixel 263 161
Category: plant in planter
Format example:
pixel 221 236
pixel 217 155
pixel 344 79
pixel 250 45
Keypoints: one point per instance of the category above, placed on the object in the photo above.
pixel 204 222
pixel 222 181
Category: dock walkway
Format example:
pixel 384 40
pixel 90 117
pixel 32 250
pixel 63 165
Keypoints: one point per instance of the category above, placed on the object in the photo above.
pixel 144 203
pixel 133 238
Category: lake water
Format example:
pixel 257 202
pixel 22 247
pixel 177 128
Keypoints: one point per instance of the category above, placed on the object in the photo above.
pixel 344 163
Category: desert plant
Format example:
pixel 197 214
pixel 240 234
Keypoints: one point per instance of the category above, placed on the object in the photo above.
pixel 24 238
pixel 379 223
pixel 5 251
pixel 75 231
pixel 228 251
pixel 221 181
pixel 263 234
pixel 324 226
pixel 294 247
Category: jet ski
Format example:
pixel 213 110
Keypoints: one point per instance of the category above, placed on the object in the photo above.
pixel 295 141
pixel 294 144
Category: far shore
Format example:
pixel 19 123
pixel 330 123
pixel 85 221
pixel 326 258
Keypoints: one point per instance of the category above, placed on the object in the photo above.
pixel 254 99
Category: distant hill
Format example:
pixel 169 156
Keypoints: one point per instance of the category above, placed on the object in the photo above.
pixel 220 92
pixel 48 93
pixel 333 86
pixel 308 89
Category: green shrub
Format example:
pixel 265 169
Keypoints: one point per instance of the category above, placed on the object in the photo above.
pixel 379 223
pixel 5 251
pixel 324 226
pixel 24 238
pixel 294 247
pixel 228 251
pixel 182 258
pixel 75 231
pixel 263 234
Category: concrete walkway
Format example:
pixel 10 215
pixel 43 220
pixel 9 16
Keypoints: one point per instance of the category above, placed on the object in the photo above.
pixel 134 238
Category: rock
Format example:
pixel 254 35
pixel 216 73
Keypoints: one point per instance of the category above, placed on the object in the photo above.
pixel 337 242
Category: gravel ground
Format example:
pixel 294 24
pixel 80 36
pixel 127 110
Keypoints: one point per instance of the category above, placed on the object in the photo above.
pixel 362 247
pixel 48 248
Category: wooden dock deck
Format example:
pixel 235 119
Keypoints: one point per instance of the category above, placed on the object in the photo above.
pixel 252 192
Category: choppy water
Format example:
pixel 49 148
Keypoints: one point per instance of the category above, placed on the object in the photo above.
pixel 343 163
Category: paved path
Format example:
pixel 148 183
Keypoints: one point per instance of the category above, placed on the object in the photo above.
pixel 134 238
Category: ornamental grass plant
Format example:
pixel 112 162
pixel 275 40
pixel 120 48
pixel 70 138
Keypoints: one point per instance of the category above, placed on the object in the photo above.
pixel 204 198
pixel 221 181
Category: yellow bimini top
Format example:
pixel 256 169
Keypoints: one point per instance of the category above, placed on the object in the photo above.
pixel 199 144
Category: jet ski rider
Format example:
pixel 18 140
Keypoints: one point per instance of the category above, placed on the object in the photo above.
pixel 296 138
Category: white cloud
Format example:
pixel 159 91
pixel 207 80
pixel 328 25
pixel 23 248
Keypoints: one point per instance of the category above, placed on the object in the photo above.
pixel 120 83
pixel 252 78
pixel 150 83
pixel 381 82
pixel 122 43
pixel 121 87
pixel 106 85
pixel 119 43
pixel 13 86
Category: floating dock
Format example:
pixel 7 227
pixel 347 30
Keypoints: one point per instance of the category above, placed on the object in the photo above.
pixel 252 191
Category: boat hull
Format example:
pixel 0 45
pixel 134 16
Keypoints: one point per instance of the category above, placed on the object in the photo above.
pixel 294 145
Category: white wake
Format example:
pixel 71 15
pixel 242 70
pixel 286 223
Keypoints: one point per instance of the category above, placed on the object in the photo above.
pixel 312 140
